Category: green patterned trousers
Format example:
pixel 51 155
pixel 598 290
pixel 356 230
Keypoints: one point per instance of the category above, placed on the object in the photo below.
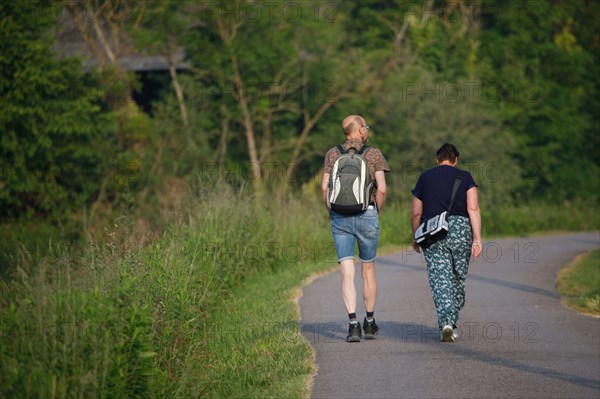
pixel 447 266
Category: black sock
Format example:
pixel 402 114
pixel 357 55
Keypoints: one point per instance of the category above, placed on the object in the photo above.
pixel 370 314
pixel 352 316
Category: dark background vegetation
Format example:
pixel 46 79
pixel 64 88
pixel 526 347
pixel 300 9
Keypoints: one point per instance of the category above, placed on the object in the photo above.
pixel 513 84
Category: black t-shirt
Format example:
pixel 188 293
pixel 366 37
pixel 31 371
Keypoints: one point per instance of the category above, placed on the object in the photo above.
pixel 434 189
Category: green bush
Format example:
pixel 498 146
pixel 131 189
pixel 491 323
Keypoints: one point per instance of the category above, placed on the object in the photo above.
pixel 118 320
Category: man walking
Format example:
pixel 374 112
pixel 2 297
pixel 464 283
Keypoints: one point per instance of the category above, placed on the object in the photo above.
pixel 362 226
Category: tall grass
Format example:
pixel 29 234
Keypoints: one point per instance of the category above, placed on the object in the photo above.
pixel 123 321
pixel 202 311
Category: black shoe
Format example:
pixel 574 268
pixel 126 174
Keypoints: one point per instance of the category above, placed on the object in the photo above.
pixel 353 332
pixel 370 328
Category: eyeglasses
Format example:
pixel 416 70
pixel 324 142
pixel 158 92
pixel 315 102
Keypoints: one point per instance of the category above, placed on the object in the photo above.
pixel 366 127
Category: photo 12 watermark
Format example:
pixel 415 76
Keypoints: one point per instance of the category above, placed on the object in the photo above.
pixel 483 172
pixel 470 92
pixel 270 11
pixel 492 252
pixel 516 332
pixel 274 251
pixel 275 93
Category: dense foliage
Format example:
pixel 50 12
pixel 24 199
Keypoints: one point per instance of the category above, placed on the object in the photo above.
pixel 54 133
pixel 513 84
pixel 225 164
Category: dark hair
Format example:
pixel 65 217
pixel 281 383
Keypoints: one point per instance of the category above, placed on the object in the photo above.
pixel 447 152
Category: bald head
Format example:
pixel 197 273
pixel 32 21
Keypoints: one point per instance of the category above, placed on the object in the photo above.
pixel 352 123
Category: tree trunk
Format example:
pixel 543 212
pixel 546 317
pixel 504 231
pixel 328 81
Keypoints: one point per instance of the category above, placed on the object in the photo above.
pixel 293 165
pixel 104 43
pixel 223 140
pixel 177 86
pixel 248 127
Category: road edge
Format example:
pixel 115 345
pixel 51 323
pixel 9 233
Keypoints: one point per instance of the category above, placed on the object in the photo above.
pixel 295 296
pixel 565 269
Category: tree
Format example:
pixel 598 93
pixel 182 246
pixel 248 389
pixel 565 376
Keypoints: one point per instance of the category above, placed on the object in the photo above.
pixel 276 75
pixel 160 31
pixel 53 131
pixel 543 80
pixel 104 26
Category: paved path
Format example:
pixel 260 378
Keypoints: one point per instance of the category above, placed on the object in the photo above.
pixel 517 341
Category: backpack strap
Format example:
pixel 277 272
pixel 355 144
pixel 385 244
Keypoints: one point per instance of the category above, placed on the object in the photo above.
pixel 364 149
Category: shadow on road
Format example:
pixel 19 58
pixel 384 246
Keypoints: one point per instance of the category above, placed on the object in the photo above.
pixel 512 364
pixel 414 334
pixel 471 276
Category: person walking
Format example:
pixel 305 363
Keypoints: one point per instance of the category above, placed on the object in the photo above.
pixel 362 226
pixel 448 259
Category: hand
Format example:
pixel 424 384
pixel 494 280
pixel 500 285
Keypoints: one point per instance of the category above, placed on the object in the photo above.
pixel 476 249
pixel 416 246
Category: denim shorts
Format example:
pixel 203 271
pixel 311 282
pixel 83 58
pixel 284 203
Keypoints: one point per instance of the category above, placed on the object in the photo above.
pixel 346 230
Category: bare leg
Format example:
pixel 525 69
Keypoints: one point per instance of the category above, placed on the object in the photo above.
pixel 348 288
pixel 369 285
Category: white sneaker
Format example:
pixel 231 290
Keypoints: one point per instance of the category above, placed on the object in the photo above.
pixel 447 334
pixel 455 334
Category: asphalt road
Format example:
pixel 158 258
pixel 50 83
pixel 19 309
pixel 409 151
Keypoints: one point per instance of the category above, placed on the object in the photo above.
pixel 517 339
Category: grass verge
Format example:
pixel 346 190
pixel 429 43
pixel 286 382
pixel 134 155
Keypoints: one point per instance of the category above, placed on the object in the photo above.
pixel 206 310
pixel 579 284
pixel 256 341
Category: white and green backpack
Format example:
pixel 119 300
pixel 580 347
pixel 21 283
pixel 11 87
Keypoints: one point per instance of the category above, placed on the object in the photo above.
pixel 350 183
